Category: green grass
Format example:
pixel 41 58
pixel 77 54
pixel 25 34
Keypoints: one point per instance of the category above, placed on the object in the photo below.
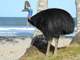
pixel 69 53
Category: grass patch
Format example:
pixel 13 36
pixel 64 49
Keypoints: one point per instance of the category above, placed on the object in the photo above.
pixel 69 53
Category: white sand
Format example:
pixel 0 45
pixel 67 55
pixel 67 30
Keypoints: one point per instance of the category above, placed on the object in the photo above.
pixel 13 50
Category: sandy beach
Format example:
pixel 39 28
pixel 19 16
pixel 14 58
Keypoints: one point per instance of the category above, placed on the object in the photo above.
pixel 13 49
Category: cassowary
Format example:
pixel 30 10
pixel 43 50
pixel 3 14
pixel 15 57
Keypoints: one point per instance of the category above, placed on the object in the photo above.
pixel 53 23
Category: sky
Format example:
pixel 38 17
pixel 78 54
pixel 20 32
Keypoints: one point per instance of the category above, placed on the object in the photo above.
pixel 13 8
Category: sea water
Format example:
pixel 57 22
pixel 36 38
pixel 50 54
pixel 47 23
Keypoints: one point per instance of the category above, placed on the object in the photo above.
pixel 19 26
pixel 15 26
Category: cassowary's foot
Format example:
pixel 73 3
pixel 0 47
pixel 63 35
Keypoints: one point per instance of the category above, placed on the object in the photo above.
pixel 48 48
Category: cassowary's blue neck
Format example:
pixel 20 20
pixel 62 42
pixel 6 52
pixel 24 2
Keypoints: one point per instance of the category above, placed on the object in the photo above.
pixel 30 12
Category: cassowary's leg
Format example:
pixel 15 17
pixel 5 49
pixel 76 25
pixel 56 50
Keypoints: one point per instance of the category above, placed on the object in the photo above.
pixel 56 46
pixel 48 48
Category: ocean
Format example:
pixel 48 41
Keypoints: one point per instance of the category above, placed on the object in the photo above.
pixel 17 21
pixel 14 26
pixel 13 21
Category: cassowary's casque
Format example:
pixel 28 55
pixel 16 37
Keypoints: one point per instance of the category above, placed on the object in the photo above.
pixel 53 23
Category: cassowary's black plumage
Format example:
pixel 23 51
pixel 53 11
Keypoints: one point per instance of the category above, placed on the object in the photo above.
pixel 53 22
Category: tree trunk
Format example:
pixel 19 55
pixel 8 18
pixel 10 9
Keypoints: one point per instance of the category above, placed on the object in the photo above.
pixel 42 5
pixel 78 15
